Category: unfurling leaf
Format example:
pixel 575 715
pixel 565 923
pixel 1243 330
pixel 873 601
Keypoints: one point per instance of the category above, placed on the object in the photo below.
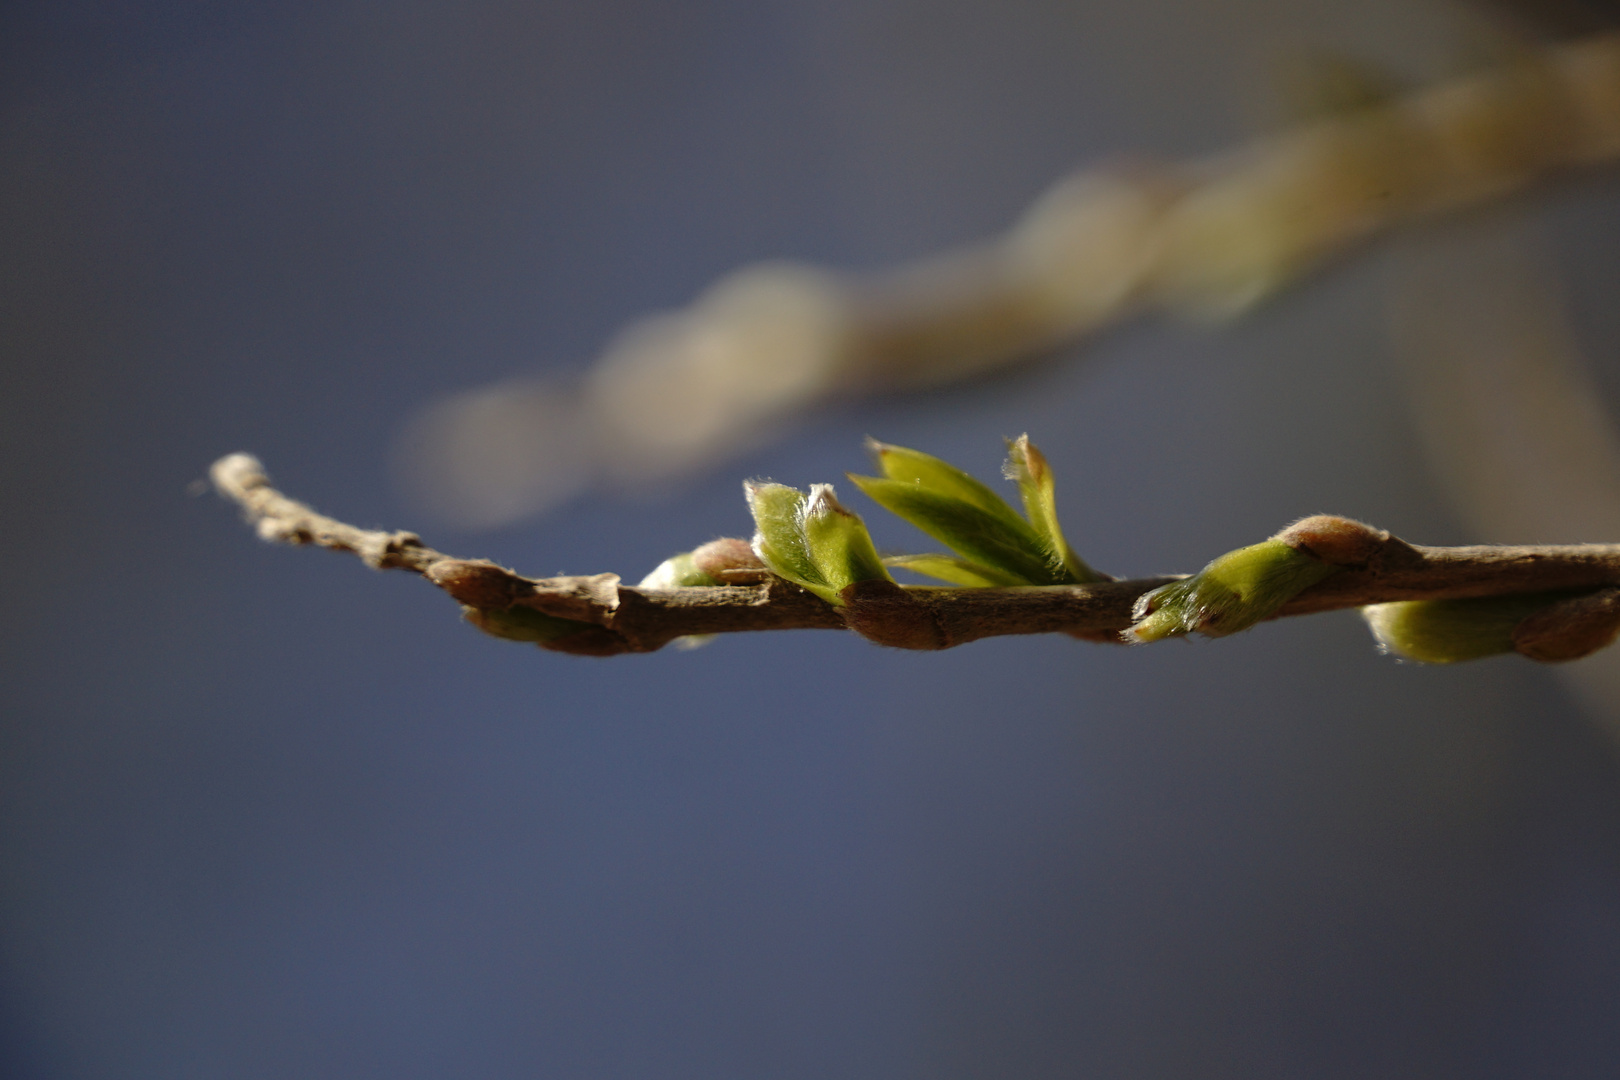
pixel 816 543
pixel 941 477
pixel 1027 467
pixel 839 545
pixel 779 533
pixel 977 535
pixel 994 545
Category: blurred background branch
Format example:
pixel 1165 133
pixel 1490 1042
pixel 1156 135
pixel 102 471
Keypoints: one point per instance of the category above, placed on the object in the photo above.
pixel 1210 238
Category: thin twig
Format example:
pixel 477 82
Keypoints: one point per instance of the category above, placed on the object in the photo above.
pixel 618 618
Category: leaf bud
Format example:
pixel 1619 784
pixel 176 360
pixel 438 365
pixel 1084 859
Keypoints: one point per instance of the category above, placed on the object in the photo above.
pixel 1546 626
pixel 676 572
pixel 816 543
pixel 840 547
pixel 1571 628
pixel 1337 540
pixel 729 561
pixel 779 535
pixel 926 471
pixel 1232 593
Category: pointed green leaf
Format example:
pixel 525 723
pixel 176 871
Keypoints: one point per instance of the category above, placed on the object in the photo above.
pixel 838 544
pixel 954 570
pixel 1027 467
pixel 974 533
pixel 941 477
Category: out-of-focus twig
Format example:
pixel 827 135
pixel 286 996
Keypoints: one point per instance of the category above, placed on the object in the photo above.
pixel 681 390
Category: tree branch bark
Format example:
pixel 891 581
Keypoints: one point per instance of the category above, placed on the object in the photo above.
pixel 616 618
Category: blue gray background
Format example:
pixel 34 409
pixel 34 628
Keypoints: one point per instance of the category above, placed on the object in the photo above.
pixel 266 814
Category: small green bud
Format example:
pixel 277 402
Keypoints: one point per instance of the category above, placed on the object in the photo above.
pixel 954 570
pixel 1451 631
pixel 522 624
pixel 1027 467
pixel 676 572
pixel 699 568
pixel 1232 593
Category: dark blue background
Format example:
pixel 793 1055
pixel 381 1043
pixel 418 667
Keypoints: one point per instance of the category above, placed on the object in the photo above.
pixel 265 814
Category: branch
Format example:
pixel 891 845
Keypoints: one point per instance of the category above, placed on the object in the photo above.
pixel 601 616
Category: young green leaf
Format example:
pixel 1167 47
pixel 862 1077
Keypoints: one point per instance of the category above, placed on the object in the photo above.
pixel 837 542
pixel 941 477
pixel 1232 593
pixel 779 537
pixel 954 570
pixel 974 533
pixel 1027 467
pixel 816 543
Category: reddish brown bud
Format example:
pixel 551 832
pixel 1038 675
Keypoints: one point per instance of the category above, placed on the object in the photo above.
pixel 1337 541
pixel 1570 629
pixel 729 560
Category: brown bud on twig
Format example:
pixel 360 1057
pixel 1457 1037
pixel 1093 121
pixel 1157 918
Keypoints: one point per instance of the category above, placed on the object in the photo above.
pixel 1338 541
pixel 1570 629
pixel 730 560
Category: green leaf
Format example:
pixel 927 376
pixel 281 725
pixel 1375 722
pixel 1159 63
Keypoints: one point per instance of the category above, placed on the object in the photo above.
pixel 954 570
pixel 1027 466
pixel 779 537
pixel 816 543
pixel 1451 631
pixel 838 544
pixel 972 532
pixel 943 478
pixel 1232 593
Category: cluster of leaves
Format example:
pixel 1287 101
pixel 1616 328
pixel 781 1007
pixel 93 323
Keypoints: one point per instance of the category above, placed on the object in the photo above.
pixel 819 544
